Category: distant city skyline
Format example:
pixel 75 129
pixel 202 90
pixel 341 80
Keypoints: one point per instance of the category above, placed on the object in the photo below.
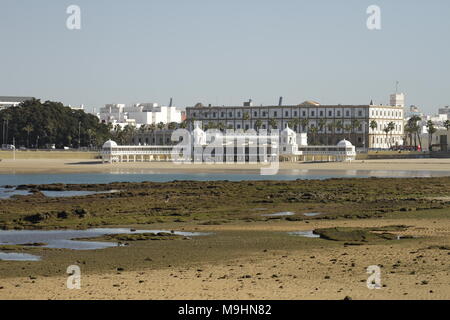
pixel 223 53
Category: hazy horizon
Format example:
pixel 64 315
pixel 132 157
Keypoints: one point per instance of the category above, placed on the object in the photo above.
pixel 224 53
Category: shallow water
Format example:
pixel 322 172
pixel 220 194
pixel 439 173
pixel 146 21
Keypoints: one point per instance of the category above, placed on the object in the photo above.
pixel 68 194
pixel 6 193
pixel 306 234
pixel 18 257
pixel 66 239
pixel 238 175
pixel 312 214
pixel 278 214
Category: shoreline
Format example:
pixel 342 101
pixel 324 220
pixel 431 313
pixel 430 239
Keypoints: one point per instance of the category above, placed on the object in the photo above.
pixel 46 166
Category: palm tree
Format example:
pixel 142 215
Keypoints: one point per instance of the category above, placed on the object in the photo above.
pixel 431 131
pixel 339 126
pixel 348 128
pixel 184 124
pixel 246 116
pixel 28 129
pixel 331 126
pixel 7 117
pixel 322 123
pixel 386 131
pixel 305 123
pixel 355 125
pixel 391 127
pixel 258 124
pixel 413 123
pixel 447 124
pixel 161 125
pixel 273 123
pixel 313 130
pixel 373 126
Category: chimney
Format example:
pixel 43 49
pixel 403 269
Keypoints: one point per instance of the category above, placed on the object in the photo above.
pixel 280 102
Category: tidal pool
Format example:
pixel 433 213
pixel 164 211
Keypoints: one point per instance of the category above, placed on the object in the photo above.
pixel 6 193
pixel 312 214
pixel 67 239
pixel 18 257
pixel 279 214
pixel 306 234
pixel 67 194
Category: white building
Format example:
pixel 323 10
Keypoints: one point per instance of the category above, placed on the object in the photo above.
pixel 326 124
pixel 236 147
pixel 139 114
pixel 6 102
pixel 397 100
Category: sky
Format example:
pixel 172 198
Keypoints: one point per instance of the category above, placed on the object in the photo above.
pixel 225 52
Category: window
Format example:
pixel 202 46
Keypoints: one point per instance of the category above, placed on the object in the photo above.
pixel 313 113
pixel 339 113
pixel 230 114
pixel 264 113
pixel 275 114
pixel 286 113
pixel 295 113
pixel 330 113
pixel 304 113
pixel 347 113
pixel 222 114
pixel 255 114
pixel 360 113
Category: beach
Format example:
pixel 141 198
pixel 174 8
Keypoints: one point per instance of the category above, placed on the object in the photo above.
pixel 410 270
pixel 245 248
pixel 39 165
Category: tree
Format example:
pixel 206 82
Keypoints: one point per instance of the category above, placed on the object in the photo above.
pixel 355 125
pixel 447 124
pixel 172 126
pixel 305 123
pixel 431 131
pixel 273 123
pixel 313 130
pixel 391 127
pixel 28 129
pixel 246 116
pixel 258 124
pixel 52 122
pixel 161 125
pixel 373 126
pixel 331 126
pixel 413 123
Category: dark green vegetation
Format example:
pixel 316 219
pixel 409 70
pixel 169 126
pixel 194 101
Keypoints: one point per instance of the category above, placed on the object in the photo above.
pixel 359 234
pixel 136 237
pixel 36 124
pixel 219 202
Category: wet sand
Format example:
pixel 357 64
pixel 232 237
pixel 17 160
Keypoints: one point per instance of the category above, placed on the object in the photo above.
pixel 409 270
pixel 28 166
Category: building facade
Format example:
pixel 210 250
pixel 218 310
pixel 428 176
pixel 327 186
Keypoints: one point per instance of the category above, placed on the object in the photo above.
pixel 139 114
pixel 325 124
pixel 6 102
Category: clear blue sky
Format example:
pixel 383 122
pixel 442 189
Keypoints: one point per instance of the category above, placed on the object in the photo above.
pixel 225 51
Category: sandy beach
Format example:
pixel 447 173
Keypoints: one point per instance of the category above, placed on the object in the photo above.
pixel 412 270
pixel 23 166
